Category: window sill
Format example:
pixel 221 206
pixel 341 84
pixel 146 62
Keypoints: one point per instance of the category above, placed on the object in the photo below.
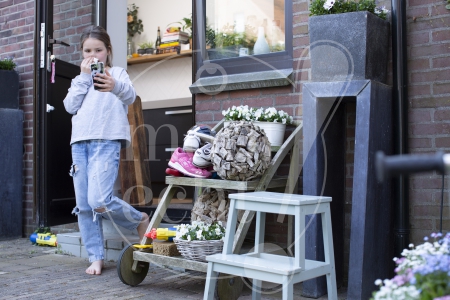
pixel 158 57
pixel 243 81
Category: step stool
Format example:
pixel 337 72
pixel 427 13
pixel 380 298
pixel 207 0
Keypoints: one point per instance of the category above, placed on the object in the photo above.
pixel 261 266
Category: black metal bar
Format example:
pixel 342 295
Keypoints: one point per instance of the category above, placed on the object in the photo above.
pixel 99 13
pixel 400 109
pixel 391 166
pixel 45 10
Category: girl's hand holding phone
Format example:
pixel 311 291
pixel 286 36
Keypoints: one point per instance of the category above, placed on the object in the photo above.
pixel 107 82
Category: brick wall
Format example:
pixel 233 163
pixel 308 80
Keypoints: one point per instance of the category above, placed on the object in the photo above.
pixel 208 111
pixel 69 20
pixel 429 109
pixel 17 40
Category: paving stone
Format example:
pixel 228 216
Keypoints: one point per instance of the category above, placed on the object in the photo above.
pixel 63 276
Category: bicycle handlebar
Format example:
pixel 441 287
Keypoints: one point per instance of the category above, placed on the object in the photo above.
pixel 387 166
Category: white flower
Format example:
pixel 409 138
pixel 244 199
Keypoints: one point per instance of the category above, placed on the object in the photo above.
pixel 200 231
pixel 378 282
pixel 329 4
pixel 243 112
pixel 380 10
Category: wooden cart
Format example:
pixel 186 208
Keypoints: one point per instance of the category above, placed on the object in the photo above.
pixel 133 263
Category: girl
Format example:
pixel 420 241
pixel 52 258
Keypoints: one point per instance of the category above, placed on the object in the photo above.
pixel 99 129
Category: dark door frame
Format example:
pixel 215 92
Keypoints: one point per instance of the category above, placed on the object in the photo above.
pixel 44 15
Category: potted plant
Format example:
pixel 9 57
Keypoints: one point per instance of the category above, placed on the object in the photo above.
pixel 197 240
pixel 423 272
pixel 9 84
pixel 146 48
pixel 149 48
pixel 11 151
pixel 227 42
pixel 271 120
pixel 134 26
pixel 349 40
pixel 185 25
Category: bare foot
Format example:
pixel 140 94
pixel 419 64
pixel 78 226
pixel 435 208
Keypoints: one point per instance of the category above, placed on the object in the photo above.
pixel 142 227
pixel 95 268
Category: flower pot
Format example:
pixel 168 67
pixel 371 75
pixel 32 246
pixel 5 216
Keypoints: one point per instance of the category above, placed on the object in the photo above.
pixel 149 50
pixel 11 151
pixel 141 51
pixel 349 46
pixel 198 250
pixel 274 132
pixel 9 85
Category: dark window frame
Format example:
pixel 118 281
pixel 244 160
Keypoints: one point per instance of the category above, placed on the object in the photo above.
pixel 239 65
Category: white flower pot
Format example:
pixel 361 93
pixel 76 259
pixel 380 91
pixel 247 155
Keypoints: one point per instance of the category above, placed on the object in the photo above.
pixel 274 131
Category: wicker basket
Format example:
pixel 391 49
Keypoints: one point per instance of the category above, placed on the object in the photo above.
pixel 197 250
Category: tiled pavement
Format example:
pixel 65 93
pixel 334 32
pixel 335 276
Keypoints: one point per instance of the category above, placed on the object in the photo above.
pixel 36 272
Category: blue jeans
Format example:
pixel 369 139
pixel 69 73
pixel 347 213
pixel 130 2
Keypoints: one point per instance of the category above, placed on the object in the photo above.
pixel 94 170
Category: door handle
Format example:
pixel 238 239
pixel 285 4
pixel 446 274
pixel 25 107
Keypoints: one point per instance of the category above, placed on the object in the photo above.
pixel 50 108
pixel 176 112
pixel 54 41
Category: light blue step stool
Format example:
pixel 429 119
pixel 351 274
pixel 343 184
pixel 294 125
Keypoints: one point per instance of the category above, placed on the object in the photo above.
pixel 261 266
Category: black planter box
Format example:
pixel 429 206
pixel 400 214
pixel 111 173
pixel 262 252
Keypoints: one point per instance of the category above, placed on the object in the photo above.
pixel 349 46
pixel 9 87
pixel 11 153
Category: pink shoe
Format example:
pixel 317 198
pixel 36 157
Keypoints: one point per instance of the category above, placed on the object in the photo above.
pixel 173 172
pixel 182 162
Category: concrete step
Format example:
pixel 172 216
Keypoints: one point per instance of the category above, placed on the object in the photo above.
pixel 115 239
pixel 114 242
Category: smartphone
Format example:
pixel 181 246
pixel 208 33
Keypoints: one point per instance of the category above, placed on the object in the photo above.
pixel 97 67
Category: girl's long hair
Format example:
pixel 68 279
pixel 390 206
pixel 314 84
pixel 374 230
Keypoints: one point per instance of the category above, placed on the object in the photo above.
pixel 99 33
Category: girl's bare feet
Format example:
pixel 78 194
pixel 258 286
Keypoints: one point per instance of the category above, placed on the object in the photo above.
pixel 142 227
pixel 95 268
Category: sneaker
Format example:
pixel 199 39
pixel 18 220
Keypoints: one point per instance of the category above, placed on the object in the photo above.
pixel 205 129
pixel 182 162
pixel 173 172
pixel 191 143
pixel 202 156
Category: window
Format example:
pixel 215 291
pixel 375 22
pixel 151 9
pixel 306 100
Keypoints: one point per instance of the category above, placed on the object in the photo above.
pixel 228 44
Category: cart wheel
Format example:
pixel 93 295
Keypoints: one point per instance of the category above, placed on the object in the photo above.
pixel 124 265
pixel 229 287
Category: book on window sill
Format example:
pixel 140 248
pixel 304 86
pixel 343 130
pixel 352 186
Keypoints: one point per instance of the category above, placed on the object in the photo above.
pixel 175 49
pixel 174 39
pixel 180 33
pixel 172 44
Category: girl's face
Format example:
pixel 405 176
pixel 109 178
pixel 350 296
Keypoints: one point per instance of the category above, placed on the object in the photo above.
pixel 95 48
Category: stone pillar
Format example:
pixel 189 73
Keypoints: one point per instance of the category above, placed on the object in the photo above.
pixel 371 243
